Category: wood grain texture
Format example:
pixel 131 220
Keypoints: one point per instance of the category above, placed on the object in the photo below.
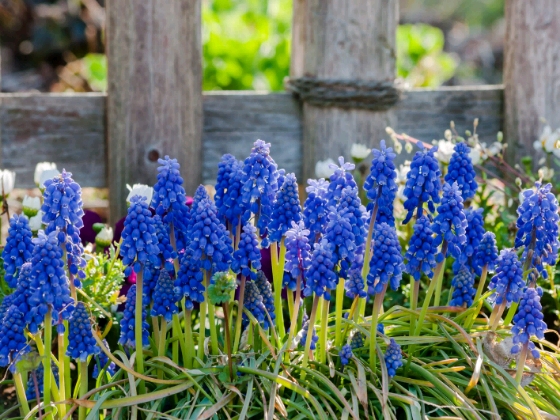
pixel 70 129
pixel 154 92
pixel 531 72
pixel 342 39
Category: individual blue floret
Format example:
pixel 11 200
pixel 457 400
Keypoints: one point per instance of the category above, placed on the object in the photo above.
pixel 18 249
pixel 461 171
pixel 528 322
pixel 81 343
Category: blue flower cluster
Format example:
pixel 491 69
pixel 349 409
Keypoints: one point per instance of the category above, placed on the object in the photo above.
pixel 49 284
pixel 303 333
pixel 321 277
pixel 422 183
pixel 474 233
pixel 354 284
pixel 286 209
pixel 315 210
pixel 382 174
pixel 139 238
pixel 507 283
pixel 386 264
pixel 259 185
pixel 421 253
pixel 340 236
pixel 63 211
pixel 164 297
pixel 265 290
pixel 228 190
pixel 5 305
pixel 254 303
pixel 345 354
pixel 487 253
pixel 463 288
pixel 451 223
pixel 12 339
pixel 357 339
pixel 351 208
pixel 18 248
pixel 38 374
pixel 247 258
pixel 101 361
pixel 461 171
pixel 528 322
pixel 127 337
pixel 385 209
pixel 341 178
pixel 298 250
pixel 538 226
pixel 81 343
pixel 393 358
pixel 20 298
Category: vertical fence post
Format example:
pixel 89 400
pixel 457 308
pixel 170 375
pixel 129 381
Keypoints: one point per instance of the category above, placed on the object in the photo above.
pixel 154 94
pixel 348 41
pixel 531 73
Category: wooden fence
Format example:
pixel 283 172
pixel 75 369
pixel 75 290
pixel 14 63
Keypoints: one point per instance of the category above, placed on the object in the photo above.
pixel 155 106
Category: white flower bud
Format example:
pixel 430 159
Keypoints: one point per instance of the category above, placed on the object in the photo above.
pixel 31 206
pixel 323 168
pixel 40 168
pixel 105 237
pixel 8 180
pixel 36 222
pixel 359 152
pixel 408 147
pixel 46 175
pixel 141 190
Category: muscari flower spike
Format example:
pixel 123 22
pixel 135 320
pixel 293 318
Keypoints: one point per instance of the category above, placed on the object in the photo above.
pixel 385 209
pixel 139 237
pixel 528 322
pixel 422 183
pixel 260 184
pixel 285 210
pixel 101 361
pixel 127 337
pixel 13 343
pixel 355 285
pixel 421 253
pixel 21 295
pixel 265 290
pixel 81 343
pixel 357 339
pixel 507 283
pixel 321 277
pixel 247 257
pixel 382 174
pixel 190 280
pixel 39 373
pixel 303 333
pixel 354 213
pixel 164 297
pixel 461 171
pixel 341 178
pixel 538 219
pixel 340 237
pixel 345 354
pixel 254 303
pixel 386 264
pixel 298 252
pixel 487 252
pixel 474 233
pixel 228 190
pixel 451 223
pixel 315 210
pixel 5 305
pixel 18 249
pixel 49 286
pixel 393 358
pixel 63 212
pixel 463 288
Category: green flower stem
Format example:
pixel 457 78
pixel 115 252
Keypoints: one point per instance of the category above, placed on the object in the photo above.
pixel 138 329
pixel 20 391
pixel 377 307
pixel 322 353
pixel 291 302
pixel 277 274
pixel 83 388
pixel 338 312
pixel 211 318
pixel 482 282
pixel 521 363
pixel 438 278
pixel 161 343
pixel 414 292
pixel 352 314
pixel 189 342
pixel 228 339
pixel 240 306
pixel 47 364
pixel 62 374
pixel 307 350
pixel 496 315
pixel 295 314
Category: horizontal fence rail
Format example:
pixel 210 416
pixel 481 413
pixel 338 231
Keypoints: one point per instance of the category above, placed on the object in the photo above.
pixel 70 129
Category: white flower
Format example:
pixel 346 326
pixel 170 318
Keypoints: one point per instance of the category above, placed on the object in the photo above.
pixel 8 181
pixel 402 172
pixel 40 168
pixel 548 140
pixel 31 205
pixel 546 173
pixel 476 154
pixel 493 149
pixel 104 237
pixel 46 175
pixel 359 152
pixel 36 222
pixel 141 190
pixel 445 150
pixel 323 168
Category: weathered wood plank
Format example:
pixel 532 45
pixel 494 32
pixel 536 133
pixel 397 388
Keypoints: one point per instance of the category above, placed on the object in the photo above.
pixel 531 72
pixel 70 129
pixel 155 92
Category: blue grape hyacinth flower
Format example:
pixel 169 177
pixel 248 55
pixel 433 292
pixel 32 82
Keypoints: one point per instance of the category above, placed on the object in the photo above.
pixel 355 284
pixel 538 226
pixel 165 297
pixel 18 249
pixel 528 322
pixel 461 171
pixel 351 207
pixel 303 333
pixel 339 234
pixel 422 183
pixel 321 277
pixel 101 361
pixel 127 323
pixel 451 223
pixel 487 253
pixel 507 284
pixel 382 174
pixel 393 358
pixel 81 343
pixel 228 190
pixel 345 354
pixel 474 233
pixel 463 288
pixel 285 210
pixel 315 210
pixel 341 178
pixel 265 290
pixel 247 258
pixel 38 375
pixel 298 250
pixel 386 264
pixel 254 303
pixel 13 343
pixel 5 305
pixel 190 280
pixel 357 339
pixel 421 252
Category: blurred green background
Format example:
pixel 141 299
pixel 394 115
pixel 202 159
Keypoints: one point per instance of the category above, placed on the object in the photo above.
pixel 49 45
